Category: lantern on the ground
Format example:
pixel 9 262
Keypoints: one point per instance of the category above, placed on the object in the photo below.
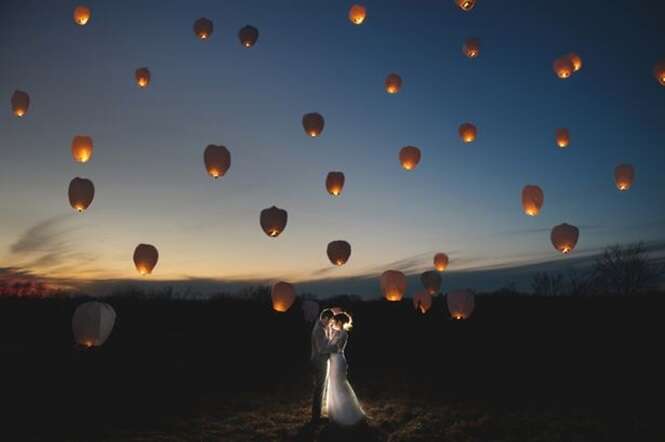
pixel 217 160
pixel 145 258
pixel 393 285
pixel 624 175
pixel 81 193
pixel 338 252
pixel 422 302
pixel 273 221
pixel 532 200
pixel 460 304
pixel 82 148
pixel 564 237
pixel 92 323
pixel 283 295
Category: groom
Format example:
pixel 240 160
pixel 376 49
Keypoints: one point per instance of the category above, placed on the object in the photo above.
pixel 321 349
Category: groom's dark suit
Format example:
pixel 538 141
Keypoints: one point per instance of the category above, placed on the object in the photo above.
pixel 321 349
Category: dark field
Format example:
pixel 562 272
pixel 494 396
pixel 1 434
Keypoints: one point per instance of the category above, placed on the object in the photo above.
pixel 521 369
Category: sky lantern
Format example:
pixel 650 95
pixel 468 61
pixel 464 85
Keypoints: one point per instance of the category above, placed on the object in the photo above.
pixel 460 304
pixel 142 76
pixel 468 132
pixel 145 258
pixel 466 5
pixel 82 148
pixel 310 310
pixel 82 15
pixel 471 47
pixel 92 323
pixel 659 72
pixel 409 157
pixel 393 285
pixel 562 138
pixel 532 200
pixel 422 302
pixel 357 14
pixel 20 103
pixel 217 160
pixel 203 28
pixel 313 124
pixel 393 83
pixel 440 262
pixel 624 175
pixel 273 221
pixel 81 193
pixel 335 183
pixel 431 281
pixel 283 295
pixel 248 36
pixel 575 60
pixel 563 67
pixel 564 237
pixel 339 252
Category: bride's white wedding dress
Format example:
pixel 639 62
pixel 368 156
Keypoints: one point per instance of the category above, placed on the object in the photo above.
pixel 341 401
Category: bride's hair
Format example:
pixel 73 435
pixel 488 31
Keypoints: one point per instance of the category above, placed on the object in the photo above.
pixel 344 319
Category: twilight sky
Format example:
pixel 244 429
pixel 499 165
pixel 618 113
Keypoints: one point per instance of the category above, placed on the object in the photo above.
pixel 463 199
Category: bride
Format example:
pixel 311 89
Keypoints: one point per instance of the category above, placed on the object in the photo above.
pixel 341 401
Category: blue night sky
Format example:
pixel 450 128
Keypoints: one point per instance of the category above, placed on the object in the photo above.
pixel 462 199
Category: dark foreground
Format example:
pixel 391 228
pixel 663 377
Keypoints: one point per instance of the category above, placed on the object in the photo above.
pixel 521 369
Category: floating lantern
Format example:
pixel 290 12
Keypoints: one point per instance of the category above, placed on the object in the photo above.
pixel 142 76
pixel 563 67
pixel 248 36
pixel 440 262
pixel 145 258
pixel 357 14
pixel 82 15
pixel 532 200
pixel 471 47
pixel 575 60
pixel 409 157
pixel 624 175
pixel 562 138
pixel 283 295
pixel 20 103
pixel 659 72
pixel 422 302
pixel 82 148
pixel 335 183
pixel 313 124
pixel 564 237
pixel 217 160
pixel 431 280
pixel 81 192
pixel 460 304
pixel 393 285
pixel 273 221
pixel 92 323
pixel 339 252
pixel 468 132
pixel 203 28
pixel 393 83
pixel 466 5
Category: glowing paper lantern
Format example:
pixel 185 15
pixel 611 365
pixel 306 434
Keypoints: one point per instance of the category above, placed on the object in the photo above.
pixel 273 221
pixel 532 200
pixel 142 76
pixel 564 237
pixel 659 72
pixel 82 15
pixel 283 295
pixel 92 323
pixel 624 175
pixel 335 183
pixel 310 310
pixel 431 280
pixel 20 103
pixel 393 285
pixel 409 157
pixel 313 124
pixel 217 160
pixel 393 83
pixel 575 60
pixel 203 28
pixel 468 132
pixel 562 138
pixel 339 252
pixel 81 192
pixel 471 47
pixel 145 258
pixel 248 36
pixel 460 304
pixel 81 148
pixel 422 302
pixel 440 262
pixel 563 67
pixel 357 14
pixel 466 5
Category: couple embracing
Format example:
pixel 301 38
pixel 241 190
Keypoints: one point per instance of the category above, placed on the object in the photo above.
pixel 333 395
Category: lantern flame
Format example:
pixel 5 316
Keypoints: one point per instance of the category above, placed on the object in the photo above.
pixel 19 112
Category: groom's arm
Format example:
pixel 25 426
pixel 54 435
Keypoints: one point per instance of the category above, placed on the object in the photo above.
pixel 324 345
